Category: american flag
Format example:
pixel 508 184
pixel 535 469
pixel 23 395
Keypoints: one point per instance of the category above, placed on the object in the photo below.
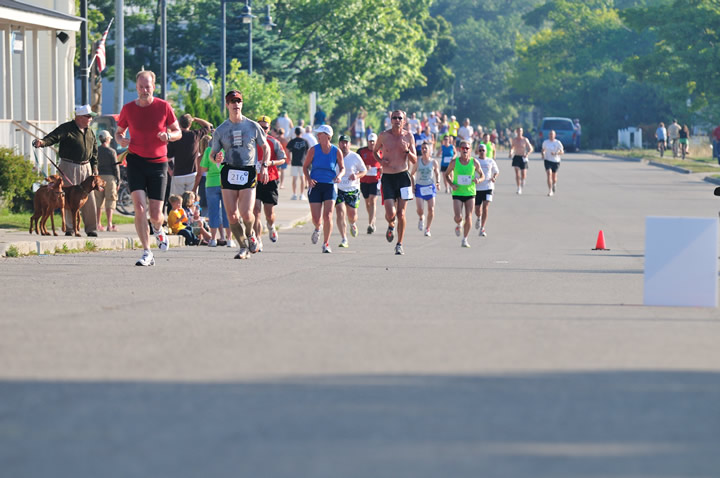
pixel 100 51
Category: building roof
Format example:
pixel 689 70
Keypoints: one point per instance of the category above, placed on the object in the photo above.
pixel 21 13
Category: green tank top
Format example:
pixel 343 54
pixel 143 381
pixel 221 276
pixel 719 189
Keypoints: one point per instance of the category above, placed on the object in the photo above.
pixel 463 177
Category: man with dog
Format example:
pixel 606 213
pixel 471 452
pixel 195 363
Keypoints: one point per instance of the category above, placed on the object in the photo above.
pixel 152 125
pixel 78 159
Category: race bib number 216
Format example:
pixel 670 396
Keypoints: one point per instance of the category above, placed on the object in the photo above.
pixel 238 177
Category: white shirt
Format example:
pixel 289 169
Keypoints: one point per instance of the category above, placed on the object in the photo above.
pixel 433 123
pixel 465 132
pixel 284 123
pixel 553 150
pixel 353 165
pixel 489 168
pixel 310 139
pixel 414 125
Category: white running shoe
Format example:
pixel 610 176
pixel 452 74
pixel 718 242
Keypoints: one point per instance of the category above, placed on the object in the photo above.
pixel 477 222
pixel 293 197
pixel 344 243
pixel 465 242
pixel 253 244
pixel 260 245
pixel 212 243
pixel 303 197
pixel 315 236
pixel 243 253
pixel 147 259
pixel 457 230
pixel 399 251
pixel 353 230
pixel 519 191
pixel 273 234
pixel 162 239
pixel 232 243
pixel 427 233
pixel 551 193
pixel 421 224
pixel 553 188
pixel 483 233
pixel 326 248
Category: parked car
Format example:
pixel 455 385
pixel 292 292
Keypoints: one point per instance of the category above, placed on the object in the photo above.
pixel 564 132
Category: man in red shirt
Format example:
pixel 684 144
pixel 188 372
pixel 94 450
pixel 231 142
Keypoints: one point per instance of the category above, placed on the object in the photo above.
pixel 369 182
pixel 266 194
pixel 152 126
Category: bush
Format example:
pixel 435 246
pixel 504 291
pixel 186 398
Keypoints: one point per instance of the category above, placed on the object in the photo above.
pixel 16 179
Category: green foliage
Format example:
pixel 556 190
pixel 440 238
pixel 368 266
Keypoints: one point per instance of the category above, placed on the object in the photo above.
pixel 12 251
pixel 16 179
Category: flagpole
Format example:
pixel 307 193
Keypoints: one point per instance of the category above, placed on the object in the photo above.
pixel 104 36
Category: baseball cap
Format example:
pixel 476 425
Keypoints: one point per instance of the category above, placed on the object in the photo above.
pixel 84 110
pixel 344 137
pixel 324 128
pixel 104 134
pixel 372 137
pixel 232 94
pixel 264 118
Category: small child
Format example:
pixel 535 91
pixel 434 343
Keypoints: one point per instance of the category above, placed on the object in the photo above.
pixel 178 220
pixel 192 210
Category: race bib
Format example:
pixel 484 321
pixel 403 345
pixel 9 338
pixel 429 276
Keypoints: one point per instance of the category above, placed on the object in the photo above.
pixel 525 158
pixel 464 180
pixel 346 182
pixel 406 193
pixel 446 159
pixel 372 172
pixel 426 190
pixel 488 197
pixel 238 177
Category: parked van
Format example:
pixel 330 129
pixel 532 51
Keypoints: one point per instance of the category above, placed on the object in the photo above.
pixel 564 132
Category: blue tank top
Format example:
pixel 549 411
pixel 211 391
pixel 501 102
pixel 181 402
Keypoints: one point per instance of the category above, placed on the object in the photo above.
pixel 447 154
pixel 323 165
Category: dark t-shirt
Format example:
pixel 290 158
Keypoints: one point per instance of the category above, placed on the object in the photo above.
pixel 107 162
pixel 297 147
pixel 185 151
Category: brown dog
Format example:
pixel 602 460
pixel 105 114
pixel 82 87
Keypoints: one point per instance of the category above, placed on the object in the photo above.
pixel 76 197
pixel 47 199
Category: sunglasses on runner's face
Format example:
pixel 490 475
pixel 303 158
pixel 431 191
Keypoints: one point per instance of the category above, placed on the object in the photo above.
pixel 465 148
pixel 397 117
pixel 236 100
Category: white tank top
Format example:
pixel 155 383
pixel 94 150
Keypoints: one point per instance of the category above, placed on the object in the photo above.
pixel 424 174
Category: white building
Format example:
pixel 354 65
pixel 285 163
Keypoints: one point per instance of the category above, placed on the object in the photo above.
pixel 37 48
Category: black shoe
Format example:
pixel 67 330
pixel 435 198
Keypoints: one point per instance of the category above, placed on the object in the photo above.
pixel 92 234
pixel 68 233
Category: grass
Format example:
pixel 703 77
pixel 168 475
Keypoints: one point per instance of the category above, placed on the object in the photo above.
pixel 701 164
pixel 10 220
pixel 12 251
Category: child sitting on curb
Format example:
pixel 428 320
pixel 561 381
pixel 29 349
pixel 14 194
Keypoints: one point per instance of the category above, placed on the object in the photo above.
pixel 177 221
pixel 192 210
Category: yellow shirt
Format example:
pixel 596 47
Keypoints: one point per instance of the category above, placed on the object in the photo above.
pixel 453 127
pixel 177 220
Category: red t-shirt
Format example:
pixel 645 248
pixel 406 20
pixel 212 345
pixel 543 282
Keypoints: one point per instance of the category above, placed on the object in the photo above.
pixel 716 133
pixel 370 162
pixel 144 123
pixel 273 173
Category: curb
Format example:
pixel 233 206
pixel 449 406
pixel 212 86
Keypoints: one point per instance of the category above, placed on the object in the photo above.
pixel 677 169
pixel 623 158
pixel 712 180
pixel 54 246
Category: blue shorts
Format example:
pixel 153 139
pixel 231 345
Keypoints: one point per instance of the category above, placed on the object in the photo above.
pixel 429 189
pixel 322 192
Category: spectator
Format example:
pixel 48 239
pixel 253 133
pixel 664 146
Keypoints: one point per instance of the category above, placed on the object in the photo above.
pixel 109 171
pixel 716 143
pixel 192 210
pixel 178 221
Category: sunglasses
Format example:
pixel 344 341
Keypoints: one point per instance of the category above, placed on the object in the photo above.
pixel 87 116
pixel 481 150
pixel 236 100
pixel 396 117
pixel 465 148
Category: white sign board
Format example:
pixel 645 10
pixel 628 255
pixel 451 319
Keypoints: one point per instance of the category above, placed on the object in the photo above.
pixel 681 261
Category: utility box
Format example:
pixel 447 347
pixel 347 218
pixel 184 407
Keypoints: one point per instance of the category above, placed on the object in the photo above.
pixel 630 138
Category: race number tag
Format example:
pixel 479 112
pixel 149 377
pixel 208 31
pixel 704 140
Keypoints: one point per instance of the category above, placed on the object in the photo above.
pixel 446 159
pixel 426 190
pixel 406 193
pixel 464 179
pixel 346 183
pixel 238 177
pixel 488 197
pixel 372 172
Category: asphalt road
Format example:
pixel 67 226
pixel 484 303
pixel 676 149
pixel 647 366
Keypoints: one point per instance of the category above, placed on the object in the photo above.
pixel 527 355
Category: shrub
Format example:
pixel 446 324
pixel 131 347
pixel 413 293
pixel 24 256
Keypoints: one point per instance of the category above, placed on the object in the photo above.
pixel 16 179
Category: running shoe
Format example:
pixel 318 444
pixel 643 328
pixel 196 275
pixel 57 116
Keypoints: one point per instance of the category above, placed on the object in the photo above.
pixel 427 233
pixel 477 222
pixel 344 243
pixel 273 234
pixel 482 232
pixel 371 229
pixel 551 193
pixel 232 243
pixel 315 236
pixel 242 254
pixel 399 250
pixel 421 224
pixel 353 230
pixel 260 245
pixel 293 197
pixel 465 242
pixel 212 243
pixel 457 230
pixel 519 191
pixel 147 259
pixel 326 248
pixel 390 234
pixel 253 244
pixel 553 188
pixel 303 197
pixel 162 239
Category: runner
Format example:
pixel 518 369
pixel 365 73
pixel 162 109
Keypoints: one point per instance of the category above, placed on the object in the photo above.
pixel 394 148
pixel 552 149
pixel 448 154
pixel 463 174
pixel 266 194
pixel 427 181
pixel 348 197
pixel 520 149
pixel 298 148
pixel 484 189
pixel 369 183
pixel 323 169
pixel 152 126
pixel 234 145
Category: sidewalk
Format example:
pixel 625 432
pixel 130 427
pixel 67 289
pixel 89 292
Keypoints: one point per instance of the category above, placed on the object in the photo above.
pixel 288 214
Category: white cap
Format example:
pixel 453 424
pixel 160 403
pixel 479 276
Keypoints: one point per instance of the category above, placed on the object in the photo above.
pixel 324 128
pixel 84 110
pixel 372 137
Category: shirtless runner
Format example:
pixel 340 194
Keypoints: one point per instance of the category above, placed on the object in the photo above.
pixel 397 148
pixel 520 148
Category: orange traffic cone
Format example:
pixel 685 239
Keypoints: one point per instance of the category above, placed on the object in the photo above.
pixel 600 245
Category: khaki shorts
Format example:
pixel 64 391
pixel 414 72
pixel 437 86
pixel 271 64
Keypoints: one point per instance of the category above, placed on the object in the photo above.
pixel 109 194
